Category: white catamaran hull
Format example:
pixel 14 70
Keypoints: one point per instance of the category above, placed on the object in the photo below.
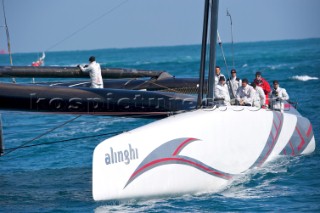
pixel 197 151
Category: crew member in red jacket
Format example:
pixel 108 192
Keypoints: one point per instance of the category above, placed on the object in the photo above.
pixel 261 82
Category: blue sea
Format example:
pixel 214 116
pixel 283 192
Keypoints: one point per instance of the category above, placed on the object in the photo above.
pixel 56 177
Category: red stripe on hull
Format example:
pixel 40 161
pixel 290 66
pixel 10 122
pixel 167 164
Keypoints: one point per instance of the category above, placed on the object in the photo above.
pixel 182 160
pixel 309 130
pixel 182 145
pixel 302 140
pixel 292 154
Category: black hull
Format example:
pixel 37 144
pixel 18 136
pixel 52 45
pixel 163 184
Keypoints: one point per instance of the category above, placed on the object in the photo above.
pixel 177 85
pixel 74 72
pixel 115 102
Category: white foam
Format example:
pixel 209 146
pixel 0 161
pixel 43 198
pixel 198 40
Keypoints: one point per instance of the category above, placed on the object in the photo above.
pixel 133 205
pixel 304 78
pixel 254 183
pixel 278 66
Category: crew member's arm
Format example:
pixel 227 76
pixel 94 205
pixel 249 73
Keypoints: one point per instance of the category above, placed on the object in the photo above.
pixel 284 95
pixel 85 68
pixel 267 87
pixel 271 96
pixel 217 93
pixel 238 97
pixel 249 99
pixel 262 96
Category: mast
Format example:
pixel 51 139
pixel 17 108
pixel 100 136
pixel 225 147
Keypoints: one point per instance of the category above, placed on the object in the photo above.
pixel 8 37
pixel 213 42
pixel 203 53
pixel 210 6
pixel 7 33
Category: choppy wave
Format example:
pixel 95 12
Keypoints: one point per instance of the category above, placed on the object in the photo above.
pixel 278 66
pixel 304 78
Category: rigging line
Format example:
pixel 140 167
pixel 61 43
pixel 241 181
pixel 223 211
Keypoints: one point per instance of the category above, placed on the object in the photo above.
pixel 43 134
pixel 225 62
pixel 42 129
pixel 228 14
pixel 139 85
pixel 85 122
pixel 87 25
pixel 65 140
pixel 7 32
pixel 165 87
pixel 8 37
pixel 104 119
pixel 23 131
pixel 150 82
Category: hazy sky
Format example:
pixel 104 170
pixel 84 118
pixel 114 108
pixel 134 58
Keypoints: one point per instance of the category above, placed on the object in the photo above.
pixel 47 25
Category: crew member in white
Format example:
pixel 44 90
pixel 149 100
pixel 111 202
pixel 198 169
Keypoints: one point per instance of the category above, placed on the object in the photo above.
pixel 245 94
pixel 221 91
pixel 277 97
pixel 259 98
pixel 217 75
pixel 94 71
pixel 234 82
